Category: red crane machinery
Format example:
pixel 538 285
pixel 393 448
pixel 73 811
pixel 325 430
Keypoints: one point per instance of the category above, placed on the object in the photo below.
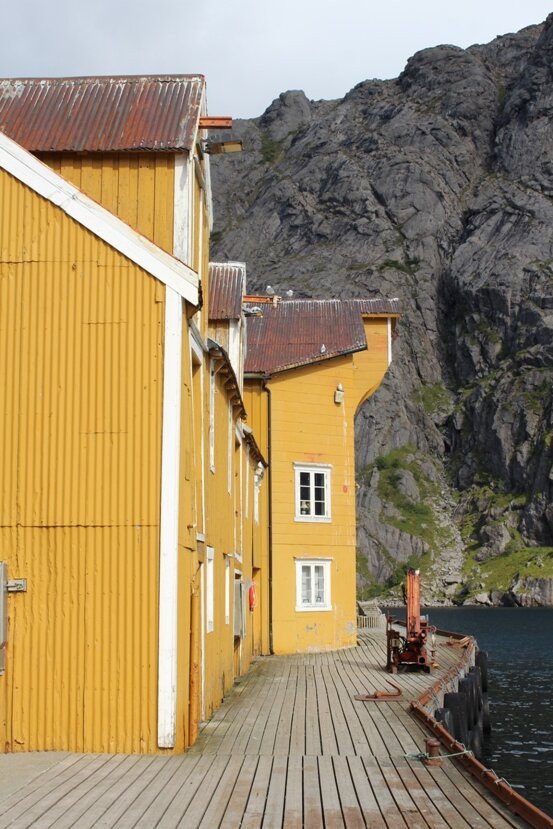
pixel 410 652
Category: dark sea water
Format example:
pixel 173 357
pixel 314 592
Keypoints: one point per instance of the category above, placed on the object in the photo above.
pixel 519 642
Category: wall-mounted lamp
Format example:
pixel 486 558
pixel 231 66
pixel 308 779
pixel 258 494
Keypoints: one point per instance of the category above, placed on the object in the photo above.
pixel 223 147
pixel 339 394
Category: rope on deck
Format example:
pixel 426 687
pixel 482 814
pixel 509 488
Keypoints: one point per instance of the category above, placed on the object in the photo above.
pixel 423 755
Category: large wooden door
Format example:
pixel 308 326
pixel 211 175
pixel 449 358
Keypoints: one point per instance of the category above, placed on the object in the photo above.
pixel 3 654
pixel 8 544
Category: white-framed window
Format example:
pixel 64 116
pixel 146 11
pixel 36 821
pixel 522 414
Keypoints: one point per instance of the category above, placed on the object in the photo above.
pixel 230 446
pixel 258 478
pixel 312 482
pixel 227 589
pixel 210 591
pixel 212 415
pixel 239 605
pixel 313 584
pixel 247 484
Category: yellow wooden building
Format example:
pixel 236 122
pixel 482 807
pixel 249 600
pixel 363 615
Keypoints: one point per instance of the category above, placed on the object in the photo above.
pixel 134 620
pixel 147 552
pixel 310 365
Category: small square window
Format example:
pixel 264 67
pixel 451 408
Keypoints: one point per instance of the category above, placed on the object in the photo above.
pixel 210 591
pixel 313 584
pixel 312 492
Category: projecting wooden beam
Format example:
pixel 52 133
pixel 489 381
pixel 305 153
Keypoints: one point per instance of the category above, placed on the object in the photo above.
pixel 222 122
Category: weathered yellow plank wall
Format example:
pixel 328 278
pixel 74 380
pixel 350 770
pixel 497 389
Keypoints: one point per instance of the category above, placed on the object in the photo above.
pixel 188 559
pixel 307 426
pixel 137 187
pixel 256 403
pixel 220 518
pixel 80 424
pixel 370 366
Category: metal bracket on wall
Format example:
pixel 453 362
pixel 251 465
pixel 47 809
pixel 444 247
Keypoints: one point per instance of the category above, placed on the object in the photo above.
pixel 16 586
pixel 7 586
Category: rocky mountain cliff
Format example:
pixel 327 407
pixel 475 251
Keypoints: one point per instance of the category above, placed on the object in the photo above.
pixel 437 188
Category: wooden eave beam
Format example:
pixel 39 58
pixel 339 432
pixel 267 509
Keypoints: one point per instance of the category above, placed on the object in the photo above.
pixel 210 122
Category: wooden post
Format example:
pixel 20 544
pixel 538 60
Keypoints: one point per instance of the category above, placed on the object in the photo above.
pixel 413 603
pixel 195 679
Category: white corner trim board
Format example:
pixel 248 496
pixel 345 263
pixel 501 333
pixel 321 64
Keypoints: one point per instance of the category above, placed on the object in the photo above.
pixel 169 523
pixel 389 342
pixel 182 218
pixel 39 177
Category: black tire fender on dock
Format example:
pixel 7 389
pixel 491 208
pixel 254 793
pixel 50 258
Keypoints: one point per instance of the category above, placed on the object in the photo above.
pixel 481 660
pixel 475 741
pixel 477 672
pixel 445 717
pixel 457 704
pixel 466 687
pixel 486 719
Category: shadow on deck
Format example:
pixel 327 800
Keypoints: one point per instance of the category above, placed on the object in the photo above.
pixel 289 747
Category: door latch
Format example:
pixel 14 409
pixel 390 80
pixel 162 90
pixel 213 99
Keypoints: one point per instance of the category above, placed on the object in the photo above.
pixel 16 585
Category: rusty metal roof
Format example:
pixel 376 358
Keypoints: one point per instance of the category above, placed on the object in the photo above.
pixel 227 283
pixel 386 307
pixel 294 333
pixel 102 114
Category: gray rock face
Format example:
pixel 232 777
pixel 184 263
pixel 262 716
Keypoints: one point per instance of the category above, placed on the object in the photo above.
pixel 533 592
pixel 436 188
pixel 286 114
pixel 495 537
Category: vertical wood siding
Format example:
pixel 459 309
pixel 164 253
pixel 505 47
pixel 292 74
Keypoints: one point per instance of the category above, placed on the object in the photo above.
pixel 81 351
pixel 137 187
pixel 309 427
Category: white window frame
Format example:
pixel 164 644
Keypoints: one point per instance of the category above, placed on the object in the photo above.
pixel 312 469
pixel 247 484
pixel 210 590
pixel 257 481
pixel 227 589
pixel 212 382
pixel 230 446
pixel 326 605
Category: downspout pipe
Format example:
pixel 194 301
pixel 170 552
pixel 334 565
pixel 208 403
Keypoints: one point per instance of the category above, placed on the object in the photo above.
pixel 267 390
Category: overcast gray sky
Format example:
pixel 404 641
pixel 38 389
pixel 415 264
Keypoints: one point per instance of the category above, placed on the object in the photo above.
pixel 249 50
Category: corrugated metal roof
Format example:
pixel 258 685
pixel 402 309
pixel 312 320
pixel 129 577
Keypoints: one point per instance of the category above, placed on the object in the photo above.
pixel 298 332
pixel 101 114
pixel 387 307
pixel 227 283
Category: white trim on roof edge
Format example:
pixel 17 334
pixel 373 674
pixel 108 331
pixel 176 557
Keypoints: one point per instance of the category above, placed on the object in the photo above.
pixel 108 227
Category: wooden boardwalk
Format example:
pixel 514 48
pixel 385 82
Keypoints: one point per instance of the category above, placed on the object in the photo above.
pixel 288 748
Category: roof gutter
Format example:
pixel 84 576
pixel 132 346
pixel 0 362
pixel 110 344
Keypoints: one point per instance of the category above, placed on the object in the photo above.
pixel 264 375
pixel 254 447
pixel 231 383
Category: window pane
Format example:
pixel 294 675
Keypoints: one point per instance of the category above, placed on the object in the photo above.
pixel 306 584
pixel 320 493
pixel 319 584
pixel 305 493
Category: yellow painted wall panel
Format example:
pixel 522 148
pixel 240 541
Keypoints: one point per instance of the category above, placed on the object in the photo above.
pixel 81 646
pixel 137 187
pixel 307 427
pixel 220 534
pixel 82 355
pixel 256 402
pixel 72 401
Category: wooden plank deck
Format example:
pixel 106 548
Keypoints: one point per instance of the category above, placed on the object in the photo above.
pixel 289 748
